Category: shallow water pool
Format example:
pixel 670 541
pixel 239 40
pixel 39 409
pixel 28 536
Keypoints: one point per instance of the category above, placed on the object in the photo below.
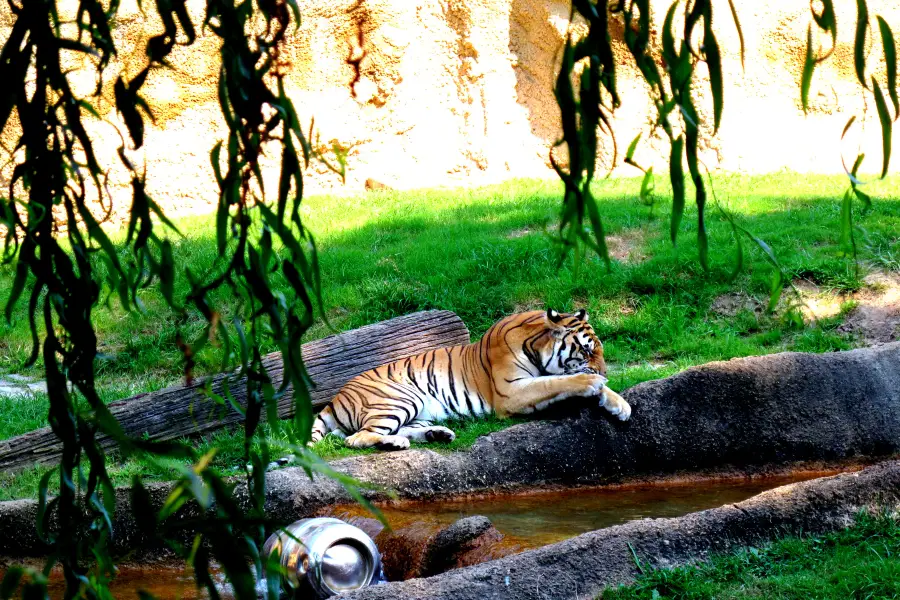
pixel 539 518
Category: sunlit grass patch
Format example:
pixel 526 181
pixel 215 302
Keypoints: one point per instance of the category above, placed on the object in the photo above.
pixel 862 561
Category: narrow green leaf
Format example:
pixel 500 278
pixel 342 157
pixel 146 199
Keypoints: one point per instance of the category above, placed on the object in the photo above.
pixel 155 209
pixel 668 38
pixel 890 59
pixel 864 198
pixel 96 232
pixel 736 233
pixel 32 325
pixel 737 24
pixel 714 63
pixel 313 464
pixel 739 252
pixel 847 126
pixel 223 101
pixel 222 224
pixel 85 105
pixel 809 66
pixel 676 175
pixel 232 401
pixel 167 273
pixel 691 149
pixel 826 22
pixel 647 187
pixel 180 9
pixel 10 582
pixel 859 45
pixel 215 158
pixel 778 278
pixel 629 154
pixel 846 240
pixel 44 507
pixel 289 166
pixel 125 105
pixel 856 165
pixel 886 127
pixel 295 9
pixel 851 173
pixel 18 286
pixel 775 290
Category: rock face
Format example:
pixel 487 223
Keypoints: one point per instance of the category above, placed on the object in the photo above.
pixel 453 92
pixel 469 541
pixel 413 549
pixel 423 549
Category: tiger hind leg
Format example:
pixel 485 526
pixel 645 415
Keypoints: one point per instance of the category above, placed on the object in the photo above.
pixel 424 431
pixel 325 424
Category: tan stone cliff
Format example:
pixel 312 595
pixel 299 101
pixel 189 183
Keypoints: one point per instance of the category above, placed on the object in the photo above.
pixel 459 92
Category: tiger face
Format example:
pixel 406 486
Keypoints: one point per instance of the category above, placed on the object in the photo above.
pixel 576 348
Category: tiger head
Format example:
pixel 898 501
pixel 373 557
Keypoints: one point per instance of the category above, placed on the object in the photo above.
pixel 576 348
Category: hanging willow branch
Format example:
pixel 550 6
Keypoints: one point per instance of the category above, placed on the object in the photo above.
pixel 585 114
pixel 58 248
pixel 669 69
pixel 870 89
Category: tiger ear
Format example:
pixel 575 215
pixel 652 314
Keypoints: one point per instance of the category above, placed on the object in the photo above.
pixel 582 315
pixel 553 322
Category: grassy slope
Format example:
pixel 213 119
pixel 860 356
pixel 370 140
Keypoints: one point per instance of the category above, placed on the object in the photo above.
pixel 484 253
pixel 860 562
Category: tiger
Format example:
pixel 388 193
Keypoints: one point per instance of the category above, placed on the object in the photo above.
pixel 524 363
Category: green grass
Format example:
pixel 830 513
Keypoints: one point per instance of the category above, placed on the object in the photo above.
pixel 229 452
pixel 862 561
pixel 467 431
pixel 485 253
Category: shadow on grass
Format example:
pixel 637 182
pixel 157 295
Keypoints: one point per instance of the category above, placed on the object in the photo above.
pixel 487 252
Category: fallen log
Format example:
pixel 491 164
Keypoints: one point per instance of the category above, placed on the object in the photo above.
pixel 182 410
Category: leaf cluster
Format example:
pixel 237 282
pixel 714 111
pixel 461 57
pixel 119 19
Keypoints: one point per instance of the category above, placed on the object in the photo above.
pixel 66 265
pixel 587 96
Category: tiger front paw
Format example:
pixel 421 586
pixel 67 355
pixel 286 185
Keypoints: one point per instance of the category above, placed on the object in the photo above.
pixel 592 382
pixel 615 404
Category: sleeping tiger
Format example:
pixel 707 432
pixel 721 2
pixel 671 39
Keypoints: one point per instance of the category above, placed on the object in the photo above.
pixel 525 362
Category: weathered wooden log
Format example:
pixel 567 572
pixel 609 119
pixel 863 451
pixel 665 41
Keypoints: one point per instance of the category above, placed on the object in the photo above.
pixel 182 410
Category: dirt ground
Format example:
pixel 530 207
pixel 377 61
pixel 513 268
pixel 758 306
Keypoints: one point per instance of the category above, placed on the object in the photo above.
pixel 873 315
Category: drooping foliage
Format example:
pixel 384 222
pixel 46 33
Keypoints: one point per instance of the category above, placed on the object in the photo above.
pixel 587 95
pixel 65 263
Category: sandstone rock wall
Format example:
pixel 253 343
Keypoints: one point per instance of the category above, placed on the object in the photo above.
pixel 458 92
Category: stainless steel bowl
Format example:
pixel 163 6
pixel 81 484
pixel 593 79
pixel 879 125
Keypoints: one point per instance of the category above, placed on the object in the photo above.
pixel 324 556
